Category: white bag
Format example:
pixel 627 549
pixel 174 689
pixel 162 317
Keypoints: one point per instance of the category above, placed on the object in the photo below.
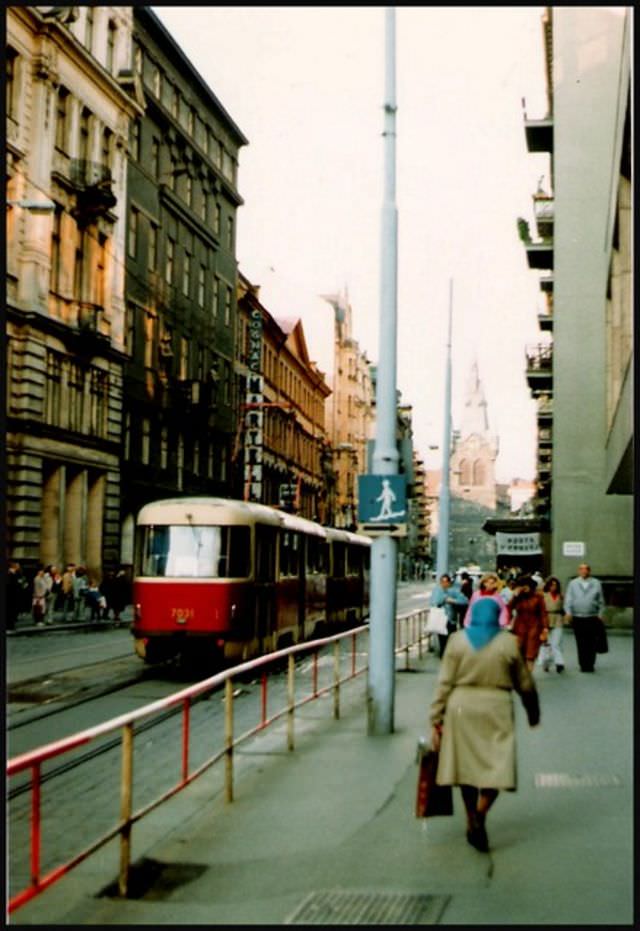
pixel 545 656
pixel 437 621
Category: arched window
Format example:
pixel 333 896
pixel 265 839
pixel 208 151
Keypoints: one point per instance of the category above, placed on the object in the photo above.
pixel 465 472
pixel 478 472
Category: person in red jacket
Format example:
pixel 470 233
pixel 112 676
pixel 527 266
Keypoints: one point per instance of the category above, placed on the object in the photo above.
pixel 530 622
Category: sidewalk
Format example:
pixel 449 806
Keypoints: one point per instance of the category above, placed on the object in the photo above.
pixel 335 818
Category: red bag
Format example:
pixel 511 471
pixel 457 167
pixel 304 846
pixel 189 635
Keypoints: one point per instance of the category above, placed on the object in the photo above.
pixel 431 799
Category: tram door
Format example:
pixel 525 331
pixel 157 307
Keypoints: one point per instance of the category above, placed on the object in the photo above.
pixel 265 584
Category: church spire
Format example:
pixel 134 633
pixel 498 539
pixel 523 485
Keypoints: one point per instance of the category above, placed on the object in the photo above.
pixel 474 415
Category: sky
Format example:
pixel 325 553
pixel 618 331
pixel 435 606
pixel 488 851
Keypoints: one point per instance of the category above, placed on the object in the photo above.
pixel 306 87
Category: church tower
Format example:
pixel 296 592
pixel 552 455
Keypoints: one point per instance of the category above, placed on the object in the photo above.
pixel 474 448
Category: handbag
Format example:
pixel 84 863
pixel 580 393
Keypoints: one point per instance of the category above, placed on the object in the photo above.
pixel 602 643
pixel 437 621
pixel 431 798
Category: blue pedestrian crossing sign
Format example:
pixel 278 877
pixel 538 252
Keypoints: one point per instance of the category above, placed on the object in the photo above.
pixel 382 504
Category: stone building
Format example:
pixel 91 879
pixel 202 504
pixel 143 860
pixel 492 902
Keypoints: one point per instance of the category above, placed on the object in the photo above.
pixel 70 99
pixel 584 253
pixel 181 403
pixel 281 445
pixel 349 412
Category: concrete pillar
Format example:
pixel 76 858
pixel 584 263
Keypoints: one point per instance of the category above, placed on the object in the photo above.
pixel 95 521
pixel 75 519
pixel 51 509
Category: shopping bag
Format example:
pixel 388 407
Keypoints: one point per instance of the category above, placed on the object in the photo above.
pixel 545 656
pixel 431 799
pixel 436 621
pixel 602 643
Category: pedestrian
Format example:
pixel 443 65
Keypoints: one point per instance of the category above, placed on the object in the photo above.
pixel 107 590
pixel 537 578
pixel 466 585
pixel 447 595
pixel 472 714
pixel 121 594
pixel 94 600
pixel 39 596
pixel 529 621
pixel 14 598
pixel 584 604
pixel 68 599
pixel 80 585
pixel 489 589
pixel 554 603
pixel 508 591
pixel 54 581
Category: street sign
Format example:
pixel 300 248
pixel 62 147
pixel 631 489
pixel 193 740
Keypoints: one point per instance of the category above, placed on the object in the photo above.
pixel 382 504
pixel 573 548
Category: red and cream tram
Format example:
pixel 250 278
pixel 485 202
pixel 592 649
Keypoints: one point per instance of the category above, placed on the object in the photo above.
pixel 227 580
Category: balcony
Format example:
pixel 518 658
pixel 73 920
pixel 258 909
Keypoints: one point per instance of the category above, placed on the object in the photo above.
pixel 88 319
pixel 539 134
pixel 540 254
pixel 545 322
pixel 540 369
pixel 546 284
pixel 543 209
pixel 93 185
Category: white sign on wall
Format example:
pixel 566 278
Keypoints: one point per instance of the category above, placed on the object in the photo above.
pixel 573 548
pixel 518 544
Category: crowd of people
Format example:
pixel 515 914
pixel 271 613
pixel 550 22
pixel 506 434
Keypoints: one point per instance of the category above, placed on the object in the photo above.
pixel 71 595
pixel 507 626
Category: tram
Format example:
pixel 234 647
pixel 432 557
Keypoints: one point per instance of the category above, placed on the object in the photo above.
pixel 222 581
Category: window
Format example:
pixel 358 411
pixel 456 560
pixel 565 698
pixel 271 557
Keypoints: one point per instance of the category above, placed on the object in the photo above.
pixel 169 259
pixel 130 328
pixel 75 399
pixel 12 62
pixel 100 275
pixel 111 45
pixel 83 149
pixel 215 295
pixel 153 246
pixel 132 236
pixel 55 252
pixel 134 140
pixel 78 268
pixel 186 274
pixel 175 97
pixel 53 388
pixel 224 461
pixel 195 552
pixel 230 233
pixel 156 81
pixel 107 141
pixel 201 278
pixel 218 220
pixel 227 306
pixel 155 157
pixel 99 402
pixel 88 29
pixel 62 119
pixel 210 450
pixel 164 448
pixel 203 206
pixel 126 446
pixel 189 191
pixel 145 441
pixel 191 120
pixel 180 463
pixel 196 457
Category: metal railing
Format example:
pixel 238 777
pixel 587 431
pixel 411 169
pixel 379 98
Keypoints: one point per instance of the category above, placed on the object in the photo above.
pixel 409 633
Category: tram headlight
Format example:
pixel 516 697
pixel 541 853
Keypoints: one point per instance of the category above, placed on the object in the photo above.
pixel 137 612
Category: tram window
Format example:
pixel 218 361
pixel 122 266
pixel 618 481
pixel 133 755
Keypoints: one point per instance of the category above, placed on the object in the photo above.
pixel 289 553
pixel 354 560
pixel 339 560
pixel 317 553
pixel 194 552
pixel 265 554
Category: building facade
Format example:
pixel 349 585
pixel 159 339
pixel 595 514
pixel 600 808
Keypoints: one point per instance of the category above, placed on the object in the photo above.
pixel 281 450
pixel 349 413
pixel 585 394
pixel 70 100
pixel 181 404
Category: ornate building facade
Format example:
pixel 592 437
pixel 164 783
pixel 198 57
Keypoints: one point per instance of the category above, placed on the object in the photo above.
pixel 70 99
pixel 281 453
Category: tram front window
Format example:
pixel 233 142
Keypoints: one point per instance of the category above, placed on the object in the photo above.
pixel 194 552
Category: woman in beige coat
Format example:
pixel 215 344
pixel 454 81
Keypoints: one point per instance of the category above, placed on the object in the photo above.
pixel 472 713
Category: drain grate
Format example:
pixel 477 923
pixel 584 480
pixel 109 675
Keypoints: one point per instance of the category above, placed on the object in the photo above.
pixel 338 907
pixel 567 781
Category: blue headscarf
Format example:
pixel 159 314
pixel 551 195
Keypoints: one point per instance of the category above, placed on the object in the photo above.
pixel 484 622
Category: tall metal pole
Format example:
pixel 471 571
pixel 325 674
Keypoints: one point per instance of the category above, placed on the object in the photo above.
pixel 381 674
pixel 442 561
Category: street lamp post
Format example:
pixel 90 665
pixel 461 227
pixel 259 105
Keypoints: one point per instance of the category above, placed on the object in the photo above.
pixel 381 673
pixel 442 565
